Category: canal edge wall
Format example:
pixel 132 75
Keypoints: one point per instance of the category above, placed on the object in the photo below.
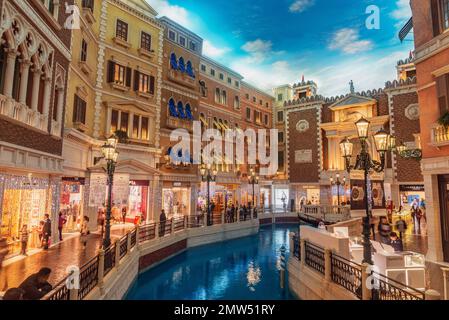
pixel 148 255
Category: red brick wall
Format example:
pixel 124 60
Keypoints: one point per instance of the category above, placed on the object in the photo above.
pixel 161 254
pixel 20 135
pixel 407 170
pixel 304 172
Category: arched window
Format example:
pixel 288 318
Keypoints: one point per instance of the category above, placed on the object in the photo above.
pixel 180 109
pixel 236 102
pixel 189 69
pixel 181 65
pixel 224 98
pixel 189 112
pixel 216 123
pixel 172 108
pixel 173 61
pixel 217 95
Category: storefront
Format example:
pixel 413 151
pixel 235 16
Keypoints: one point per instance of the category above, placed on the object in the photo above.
pixel 24 201
pixel 265 197
pixel 130 198
pixel 408 194
pixel 138 201
pixel 176 199
pixel 71 202
pixel 281 198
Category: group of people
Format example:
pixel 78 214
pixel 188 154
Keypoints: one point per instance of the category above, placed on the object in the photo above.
pixel 44 232
pixel 244 211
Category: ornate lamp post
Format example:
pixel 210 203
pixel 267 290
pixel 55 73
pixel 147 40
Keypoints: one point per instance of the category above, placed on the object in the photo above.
pixel 253 179
pixel 339 184
pixel 110 154
pixel 207 175
pixel 365 163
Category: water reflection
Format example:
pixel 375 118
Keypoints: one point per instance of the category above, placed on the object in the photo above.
pixel 253 276
pixel 240 269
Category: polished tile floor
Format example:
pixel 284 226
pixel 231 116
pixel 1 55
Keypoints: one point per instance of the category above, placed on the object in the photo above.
pixel 58 258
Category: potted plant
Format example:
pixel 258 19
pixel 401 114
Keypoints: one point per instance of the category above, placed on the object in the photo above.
pixel 444 120
pixel 122 136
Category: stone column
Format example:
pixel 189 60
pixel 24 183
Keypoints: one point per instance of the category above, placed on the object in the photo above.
pixel 130 124
pixel 56 9
pixel 108 121
pixel 60 106
pixel 24 81
pixel 36 85
pixel 46 99
pixel 11 56
pixel 434 239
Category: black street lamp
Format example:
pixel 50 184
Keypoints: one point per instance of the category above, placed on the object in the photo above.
pixel 367 164
pixel 253 179
pixel 208 175
pixel 110 154
pixel 337 182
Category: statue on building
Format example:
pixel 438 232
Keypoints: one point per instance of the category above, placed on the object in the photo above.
pixel 351 87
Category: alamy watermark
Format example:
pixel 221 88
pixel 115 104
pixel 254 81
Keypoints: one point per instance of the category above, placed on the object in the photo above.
pixel 189 147
pixel 372 22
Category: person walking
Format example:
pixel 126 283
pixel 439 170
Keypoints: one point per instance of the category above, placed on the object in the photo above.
pixel 24 235
pixel 84 231
pixel 46 232
pixel 40 232
pixel 401 226
pixel 162 221
pixel 61 222
pixel 100 220
pixel 124 214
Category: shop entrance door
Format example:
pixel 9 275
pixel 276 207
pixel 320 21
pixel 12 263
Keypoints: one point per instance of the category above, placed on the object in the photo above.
pixel 443 184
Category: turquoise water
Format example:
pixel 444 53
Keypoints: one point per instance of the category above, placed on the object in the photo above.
pixel 242 269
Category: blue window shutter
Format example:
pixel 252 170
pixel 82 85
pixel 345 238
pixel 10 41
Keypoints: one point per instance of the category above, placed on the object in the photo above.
pixel 189 112
pixel 172 108
pixel 181 110
pixel 181 65
pixel 173 61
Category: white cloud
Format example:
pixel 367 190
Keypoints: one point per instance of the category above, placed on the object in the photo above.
pixel 258 50
pixel 301 5
pixel 334 79
pixel 402 11
pixel 212 51
pixel 174 12
pixel 348 41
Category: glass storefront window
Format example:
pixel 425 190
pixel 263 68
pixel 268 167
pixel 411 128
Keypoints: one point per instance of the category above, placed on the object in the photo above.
pixel 176 201
pixel 72 204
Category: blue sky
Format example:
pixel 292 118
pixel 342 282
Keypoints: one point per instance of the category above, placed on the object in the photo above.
pixel 275 42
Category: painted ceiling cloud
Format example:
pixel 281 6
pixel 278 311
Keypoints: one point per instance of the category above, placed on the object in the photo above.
pixel 348 41
pixel 301 5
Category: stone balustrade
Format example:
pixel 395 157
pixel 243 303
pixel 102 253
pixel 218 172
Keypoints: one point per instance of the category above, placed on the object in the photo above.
pixel 326 213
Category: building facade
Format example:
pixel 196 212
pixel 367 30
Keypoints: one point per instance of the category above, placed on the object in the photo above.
pixel 179 110
pixel 34 65
pixel 315 127
pixel 114 89
pixel 257 112
pixel 431 33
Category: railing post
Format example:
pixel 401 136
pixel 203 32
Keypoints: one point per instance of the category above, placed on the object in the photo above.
pixel 172 231
pixel 117 253
pixel 328 265
pixel 128 239
pixel 186 222
pixel 223 218
pixel 238 215
pixel 73 295
pixel 432 295
pixel 101 270
pixel 137 235
pixel 303 252
pixel 292 243
pixel 366 288
pixel 156 230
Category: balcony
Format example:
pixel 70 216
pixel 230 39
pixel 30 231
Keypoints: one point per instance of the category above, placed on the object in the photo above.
pixel 147 54
pixel 176 123
pixel 439 136
pixel 21 113
pixel 181 78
